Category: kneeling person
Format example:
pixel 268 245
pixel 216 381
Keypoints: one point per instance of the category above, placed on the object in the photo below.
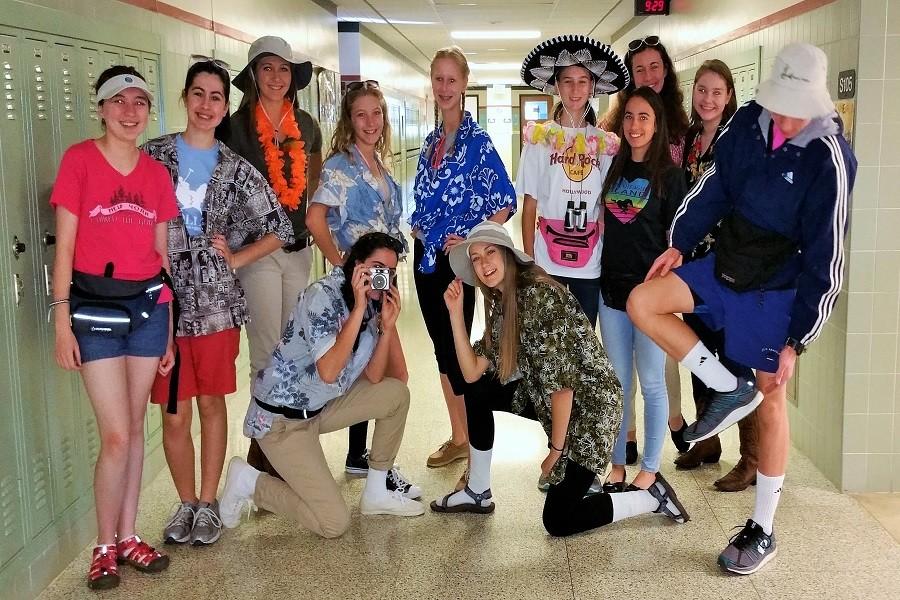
pixel 330 371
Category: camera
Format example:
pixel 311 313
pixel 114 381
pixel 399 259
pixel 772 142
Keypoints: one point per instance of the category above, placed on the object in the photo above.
pixel 380 278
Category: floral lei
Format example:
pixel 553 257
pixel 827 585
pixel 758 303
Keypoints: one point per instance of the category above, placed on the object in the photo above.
pixel 288 193
pixel 552 133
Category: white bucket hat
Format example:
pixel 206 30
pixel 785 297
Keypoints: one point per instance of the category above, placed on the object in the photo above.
pixel 301 69
pixel 115 85
pixel 487 232
pixel 797 87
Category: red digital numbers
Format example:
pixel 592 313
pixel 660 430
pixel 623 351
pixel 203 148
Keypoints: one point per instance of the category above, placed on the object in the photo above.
pixel 651 7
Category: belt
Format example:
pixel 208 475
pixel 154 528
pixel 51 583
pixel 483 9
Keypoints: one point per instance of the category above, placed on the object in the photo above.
pixel 285 411
pixel 296 246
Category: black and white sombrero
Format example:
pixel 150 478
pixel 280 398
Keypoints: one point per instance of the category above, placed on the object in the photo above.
pixel 540 66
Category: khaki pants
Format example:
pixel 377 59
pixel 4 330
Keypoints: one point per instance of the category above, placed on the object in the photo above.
pixel 309 494
pixel 272 285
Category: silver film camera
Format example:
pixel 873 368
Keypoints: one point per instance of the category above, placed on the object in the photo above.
pixel 380 278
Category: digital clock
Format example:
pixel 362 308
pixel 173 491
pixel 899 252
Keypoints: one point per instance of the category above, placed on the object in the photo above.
pixel 643 8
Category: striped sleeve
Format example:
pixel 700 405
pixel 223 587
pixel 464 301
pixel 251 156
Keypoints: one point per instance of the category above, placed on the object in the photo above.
pixel 824 227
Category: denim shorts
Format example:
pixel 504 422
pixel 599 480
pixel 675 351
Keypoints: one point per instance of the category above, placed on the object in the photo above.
pixel 148 340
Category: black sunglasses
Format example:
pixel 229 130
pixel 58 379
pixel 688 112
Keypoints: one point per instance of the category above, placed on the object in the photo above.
pixel 198 58
pixel 361 85
pixel 650 40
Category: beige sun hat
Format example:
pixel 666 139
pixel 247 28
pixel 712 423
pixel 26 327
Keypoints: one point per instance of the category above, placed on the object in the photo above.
pixel 797 86
pixel 301 70
pixel 486 233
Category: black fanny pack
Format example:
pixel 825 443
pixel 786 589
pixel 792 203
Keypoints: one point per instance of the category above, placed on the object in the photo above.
pixel 108 307
pixel 747 256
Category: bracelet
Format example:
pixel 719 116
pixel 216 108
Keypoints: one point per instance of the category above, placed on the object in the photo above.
pixel 552 447
pixel 53 305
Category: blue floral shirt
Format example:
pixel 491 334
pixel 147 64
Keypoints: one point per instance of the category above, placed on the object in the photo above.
pixel 291 378
pixel 469 185
pixel 356 206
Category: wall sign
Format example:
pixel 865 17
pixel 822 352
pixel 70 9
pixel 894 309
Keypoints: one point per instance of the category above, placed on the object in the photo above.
pixel 847 84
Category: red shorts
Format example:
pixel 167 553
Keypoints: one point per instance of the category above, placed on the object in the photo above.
pixel 207 366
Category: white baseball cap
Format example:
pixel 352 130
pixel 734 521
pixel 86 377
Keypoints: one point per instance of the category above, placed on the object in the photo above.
pixel 797 87
pixel 115 85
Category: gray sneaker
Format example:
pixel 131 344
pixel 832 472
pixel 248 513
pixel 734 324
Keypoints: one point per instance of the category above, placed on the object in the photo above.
pixel 724 410
pixel 750 549
pixel 207 525
pixel 179 528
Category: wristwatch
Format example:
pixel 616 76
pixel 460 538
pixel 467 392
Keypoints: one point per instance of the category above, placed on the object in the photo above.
pixel 795 344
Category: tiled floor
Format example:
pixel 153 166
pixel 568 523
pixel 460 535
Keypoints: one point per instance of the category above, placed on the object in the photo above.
pixel 829 546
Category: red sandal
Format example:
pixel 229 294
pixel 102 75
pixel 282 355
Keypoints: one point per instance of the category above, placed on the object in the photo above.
pixel 141 555
pixel 104 573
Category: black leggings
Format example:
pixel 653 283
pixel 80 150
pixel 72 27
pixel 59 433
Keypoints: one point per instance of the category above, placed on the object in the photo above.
pixel 430 288
pixel 566 510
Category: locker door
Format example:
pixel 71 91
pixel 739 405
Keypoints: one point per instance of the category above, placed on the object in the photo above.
pixel 91 66
pixel 28 330
pixel 23 299
pixel 150 70
pixel 61 386
pixel 12 123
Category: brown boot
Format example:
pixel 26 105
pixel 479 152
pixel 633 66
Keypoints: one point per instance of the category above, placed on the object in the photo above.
pixel 707 451
pixel 744 472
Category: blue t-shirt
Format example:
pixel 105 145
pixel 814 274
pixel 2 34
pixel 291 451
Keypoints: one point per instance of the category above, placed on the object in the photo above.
pixel 195 169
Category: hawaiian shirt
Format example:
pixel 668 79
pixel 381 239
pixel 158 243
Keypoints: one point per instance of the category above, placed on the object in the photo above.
pixel 468 186
pixel 356 207
pixel 241 206
pixel 291 378
pixel 559 349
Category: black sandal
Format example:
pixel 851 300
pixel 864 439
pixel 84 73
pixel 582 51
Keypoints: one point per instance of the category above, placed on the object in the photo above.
pixel 615 487
pixel 665 497
pixel 467 507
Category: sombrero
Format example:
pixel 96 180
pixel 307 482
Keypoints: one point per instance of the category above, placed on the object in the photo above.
pixel 540 67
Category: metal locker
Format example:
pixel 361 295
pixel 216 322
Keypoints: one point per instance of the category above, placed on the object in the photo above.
pixel 18 250
pixel 91 66
pixel 12 123
pixel 149 68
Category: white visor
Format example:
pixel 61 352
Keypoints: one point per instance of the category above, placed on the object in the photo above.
pixel 115 85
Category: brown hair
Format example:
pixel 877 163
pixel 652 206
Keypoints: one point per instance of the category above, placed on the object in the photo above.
pixel 344 137
pixel 515 276
pixel 454 53
pixel 673 99
pixel 721 69
pixel 658 155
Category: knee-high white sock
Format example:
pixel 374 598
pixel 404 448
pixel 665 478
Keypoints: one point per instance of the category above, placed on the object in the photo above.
pixel 704 364
pixel 376 484
pixel 479 477
pixel 768 493
pixel 631 504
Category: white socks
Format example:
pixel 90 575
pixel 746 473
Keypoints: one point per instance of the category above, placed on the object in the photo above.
pixel 376 484
pixel 631 504
pixel 704 364
pixel 768 493
pixel 479 477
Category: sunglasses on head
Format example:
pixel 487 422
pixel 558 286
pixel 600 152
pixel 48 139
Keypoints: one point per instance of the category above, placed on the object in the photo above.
pixel 362 85
pixel 650 40
pixel 199 58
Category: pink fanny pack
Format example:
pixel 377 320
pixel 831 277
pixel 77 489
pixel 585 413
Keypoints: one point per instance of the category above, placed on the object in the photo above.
pixel 568 248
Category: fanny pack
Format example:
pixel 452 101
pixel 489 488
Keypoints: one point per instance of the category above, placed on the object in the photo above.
pixel 748 256
pixel 571 248
pixel 108 307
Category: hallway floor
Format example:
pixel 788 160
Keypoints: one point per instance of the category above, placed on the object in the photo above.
pixel 829 546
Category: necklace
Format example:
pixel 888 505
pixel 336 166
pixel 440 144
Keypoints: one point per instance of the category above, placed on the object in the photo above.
pixel 288 193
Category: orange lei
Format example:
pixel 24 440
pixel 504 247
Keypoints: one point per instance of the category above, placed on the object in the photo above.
pixel 288 194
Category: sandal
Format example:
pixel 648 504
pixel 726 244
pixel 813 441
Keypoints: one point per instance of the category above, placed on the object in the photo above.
pixel 614 487
pixel 104 571
pixel 666 496
pixel 469 507
pixel 141 555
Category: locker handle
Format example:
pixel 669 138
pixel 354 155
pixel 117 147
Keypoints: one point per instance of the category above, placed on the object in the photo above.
pixel 18 247
pixel 49 239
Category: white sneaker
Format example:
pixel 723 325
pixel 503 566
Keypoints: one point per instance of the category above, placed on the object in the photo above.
pixel 392 503
pixel 240 485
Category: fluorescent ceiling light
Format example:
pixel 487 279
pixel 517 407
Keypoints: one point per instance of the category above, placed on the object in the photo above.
pixel 382 21
pixel 495 35
pixel 494 66
pixel 499 81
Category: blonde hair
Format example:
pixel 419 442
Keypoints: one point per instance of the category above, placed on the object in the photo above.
pixel 344 137
pixel 456 54
pixel 515 276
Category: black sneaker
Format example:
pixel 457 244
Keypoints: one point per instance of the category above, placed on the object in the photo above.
pixel 357 466
pixel 397 482
pixel 724 409
pixel 750 549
